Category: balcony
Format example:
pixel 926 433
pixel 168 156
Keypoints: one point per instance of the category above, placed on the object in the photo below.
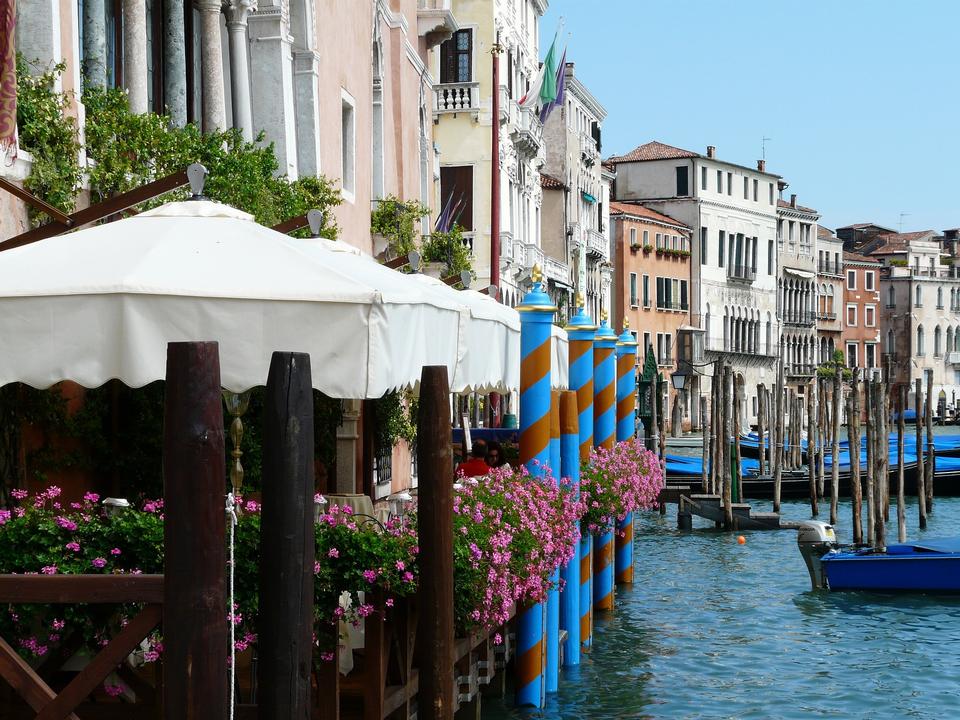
pixel 673 305
pixel 741 273
pixel 829 268
pixel 556 270
pixel 801 319
pixel 800 370
pixel 534 256
pixel 953 358
pixel 456 98
pixel 758 356
pixel 826 316
pixel 506 245
pixel 597 244
pixel 435 21
pixel 588 150
pixel 528 135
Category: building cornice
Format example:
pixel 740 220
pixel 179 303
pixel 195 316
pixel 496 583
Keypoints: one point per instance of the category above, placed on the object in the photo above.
pixel 797 213
pixel 640 219
pixel 581 92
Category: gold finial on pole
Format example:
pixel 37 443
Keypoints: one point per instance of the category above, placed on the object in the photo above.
pixel 603 316
pixel 237 404
pixel 626 324
pixel 579 300
pixel 535 274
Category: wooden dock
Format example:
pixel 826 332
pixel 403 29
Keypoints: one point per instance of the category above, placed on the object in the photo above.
pixel 710 507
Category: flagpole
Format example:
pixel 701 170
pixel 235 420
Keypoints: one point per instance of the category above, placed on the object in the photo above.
pixel 495 170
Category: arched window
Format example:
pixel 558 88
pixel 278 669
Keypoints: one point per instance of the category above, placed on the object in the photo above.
pixel 937 349
pixel 891 296
pixel 920 348
pixel 940 297
pixel 769 337
pixel 919 299
pixel 949 345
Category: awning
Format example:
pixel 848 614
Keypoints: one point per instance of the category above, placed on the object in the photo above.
pixel 805 274
pixel 588 197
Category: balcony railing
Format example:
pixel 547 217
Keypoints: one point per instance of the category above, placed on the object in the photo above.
pixel 953 358
pixel 506 245
pixel 718 346
pixel 804 318
pixel 535 256
pixel 826 316
pixel 555 270
pixel 528 136
pixel 829 268
pixel 457 97
pixel 665 361
pixel 588 150
pixel 742 273
pixel 672 305
pixel 597 244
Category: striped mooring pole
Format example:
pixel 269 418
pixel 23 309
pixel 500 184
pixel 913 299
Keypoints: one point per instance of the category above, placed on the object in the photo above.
pixel 570 469
pixel 580 333
pixel 604 435
pixel 626 429
pixel 536 320
pixel 553 596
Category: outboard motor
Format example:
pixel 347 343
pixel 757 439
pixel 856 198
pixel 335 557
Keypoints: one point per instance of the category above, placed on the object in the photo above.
pixel 815 539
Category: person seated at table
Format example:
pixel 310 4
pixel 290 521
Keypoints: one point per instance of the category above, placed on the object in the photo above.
pixel 477 464
pixel 495 457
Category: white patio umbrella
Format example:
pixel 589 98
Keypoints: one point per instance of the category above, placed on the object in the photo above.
pixel 103 303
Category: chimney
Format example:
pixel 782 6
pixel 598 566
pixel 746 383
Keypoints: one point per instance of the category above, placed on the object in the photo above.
pixel 793 200
pixel 711 151
pixel 762 165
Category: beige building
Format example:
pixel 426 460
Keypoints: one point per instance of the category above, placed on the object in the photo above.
pixel 463 126
pixel 797 291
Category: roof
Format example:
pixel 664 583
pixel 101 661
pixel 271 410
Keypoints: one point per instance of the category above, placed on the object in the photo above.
pixel 645 213
pixel 787 206
pixel 551 183
pixel 861 226
pixel 890 243
pixel 858 258
pixel 825 234
pixel 652 151
pixel 609 166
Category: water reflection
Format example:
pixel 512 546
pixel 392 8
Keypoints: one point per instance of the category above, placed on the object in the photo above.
pixel 713 629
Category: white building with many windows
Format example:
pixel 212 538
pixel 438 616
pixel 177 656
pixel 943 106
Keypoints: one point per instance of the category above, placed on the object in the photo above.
pixel 732 212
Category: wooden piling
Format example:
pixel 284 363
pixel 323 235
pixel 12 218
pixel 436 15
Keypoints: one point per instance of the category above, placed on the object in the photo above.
pixel 195 684
pixel 881 455
pixel 737 424
pixel 778 453
pixel 811 445
pixel 705 429
pixel 921 478
pixel 435 649
pixel 853 438
pixel 287 547
pixel 715 383
pixel 931 465
pixel 761 407
pixel 727 427
pixel 871 484
pixel 835 437
pixel 901 511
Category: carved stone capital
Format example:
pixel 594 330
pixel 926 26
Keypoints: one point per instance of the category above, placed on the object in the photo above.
pixel 237 11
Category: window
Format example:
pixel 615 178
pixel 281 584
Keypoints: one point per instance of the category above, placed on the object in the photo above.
pixel 674 242
pixel 456 182
pixel 646 344
pixel 939 298
pixel 891 297
pixel 348 145
pixel 703 178
pixel 870 355
pixel 769 257
pixel 868 280
pixel 721 244
pixel 851 315
pixel 870 316
pixel 646 237
pixel 646 291
pixel 703 246
pixel 771 193
pixel 456 58
pixel 756 185
pixel 920 347
pixel 729 183
pixel 851 279
pixel 683 295
pixel 918 299
pixel 891 342
pixel 719 181
pixel 661 298
pixel 746 188
pixel 682 189
pixel 852 355
pixel 659 241
pixel 633 237
pixel 937 350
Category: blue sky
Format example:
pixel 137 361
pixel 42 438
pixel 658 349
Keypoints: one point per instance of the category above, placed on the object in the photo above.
pixel 858 97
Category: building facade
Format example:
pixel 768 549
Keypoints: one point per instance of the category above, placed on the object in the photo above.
pixel 797 291
pixel 732 213
pixel 861 312
pixel 575 227
pixel 829 294
pixel 463 126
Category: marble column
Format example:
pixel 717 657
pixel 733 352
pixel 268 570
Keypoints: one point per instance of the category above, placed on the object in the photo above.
pixel 348 434
pixel 94 44
pixel 175 62
pixel 135 54
pixel 38 34
pixel 211 67
pixel 237 12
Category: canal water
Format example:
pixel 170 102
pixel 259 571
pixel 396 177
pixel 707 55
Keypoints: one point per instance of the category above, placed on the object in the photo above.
pixel 713 629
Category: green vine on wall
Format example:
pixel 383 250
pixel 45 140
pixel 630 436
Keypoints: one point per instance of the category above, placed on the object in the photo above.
pixel 397 221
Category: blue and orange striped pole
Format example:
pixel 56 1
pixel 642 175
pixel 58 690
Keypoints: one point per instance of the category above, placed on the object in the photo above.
pixel 604 435
pixel 536 320
pixel 553 597
pixel 580 333
pixel 570 469
pixel 626 429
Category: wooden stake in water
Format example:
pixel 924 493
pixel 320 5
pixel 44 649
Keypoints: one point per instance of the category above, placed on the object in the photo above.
pixel 880 458
pixel 901 511
pixel 737 422
pixel 778 439
pixel 811 445
pixel 705 429
pixel 871 485
pixel 931 464
pixel 921 480
pixel 822 434
pixel 761 406
pixel 835 449
pixel 727 427
pixel 853 437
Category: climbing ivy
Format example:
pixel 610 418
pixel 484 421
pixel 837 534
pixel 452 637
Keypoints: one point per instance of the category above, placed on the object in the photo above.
pixel 397 221
pixel 448 248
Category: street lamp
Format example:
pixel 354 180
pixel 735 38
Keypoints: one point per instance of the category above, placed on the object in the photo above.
pixel 679 380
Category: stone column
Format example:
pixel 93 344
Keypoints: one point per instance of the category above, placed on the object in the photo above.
pixel 175 62
pixel 347 436
pixel 211 66
pixel 306 71
pixel 237 12
pixel 135 54
pixel 94 44
pixel 38 33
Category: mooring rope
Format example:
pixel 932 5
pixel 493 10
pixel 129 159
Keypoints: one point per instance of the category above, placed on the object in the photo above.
pixel 232 519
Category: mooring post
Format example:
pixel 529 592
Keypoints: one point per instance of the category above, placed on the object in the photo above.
pixel 835 436
pixel 761 441
pixel 604 435
pixel 811 449
pixel 931 464
pixel 706 428
pixel 901 510
pixel 853 441
pixel 580 332
pixel 536 320
pixel 778 439
pixel 626 427
pixel 868 398
pixel 570 470
pixel 727 447
pixel 287 547
pixel 553 595
pixel 821 434
pixel 881 456
pixel 921 478
pixel 737 422
pixel 196 639
pixel 435 650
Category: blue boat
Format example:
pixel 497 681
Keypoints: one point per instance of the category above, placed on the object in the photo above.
pixel 930 566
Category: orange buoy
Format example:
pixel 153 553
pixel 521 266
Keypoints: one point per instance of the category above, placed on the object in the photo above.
pixel 741 540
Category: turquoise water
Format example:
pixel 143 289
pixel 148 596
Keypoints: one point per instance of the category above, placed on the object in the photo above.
pixel 713 629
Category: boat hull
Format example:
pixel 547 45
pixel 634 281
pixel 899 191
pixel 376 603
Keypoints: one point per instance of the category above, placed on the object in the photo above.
pixel 914 571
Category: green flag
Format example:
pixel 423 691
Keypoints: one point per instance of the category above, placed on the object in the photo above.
pixel 548 88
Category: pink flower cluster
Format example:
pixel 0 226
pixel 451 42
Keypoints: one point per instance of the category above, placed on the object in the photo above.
pixel 618 481
pixel 512 532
